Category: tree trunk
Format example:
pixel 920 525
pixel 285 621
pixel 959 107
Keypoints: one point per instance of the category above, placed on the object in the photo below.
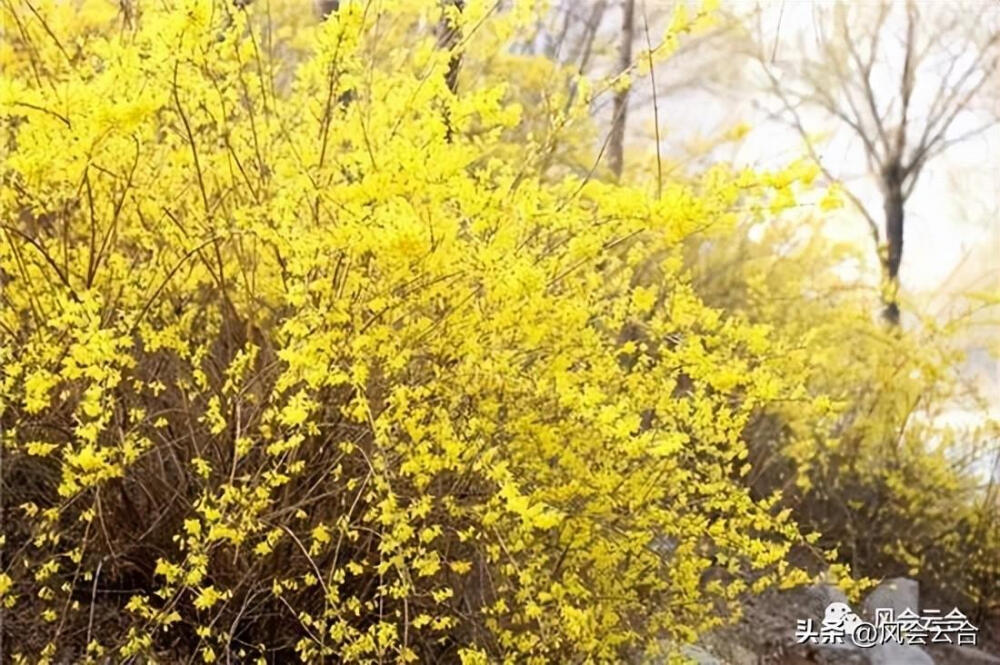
pixel 893 204
pixel 616 155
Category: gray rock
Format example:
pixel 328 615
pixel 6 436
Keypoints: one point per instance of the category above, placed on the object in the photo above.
pixel 729 650
pixel 826 594
pixel 848 654
pixel 700 656
pixel 898 593
pixel 945 654
pixel 819 654
pixel 899 654
pixel 738 655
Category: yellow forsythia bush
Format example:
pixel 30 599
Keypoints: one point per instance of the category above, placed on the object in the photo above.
pixel 896 483
pixel 303 357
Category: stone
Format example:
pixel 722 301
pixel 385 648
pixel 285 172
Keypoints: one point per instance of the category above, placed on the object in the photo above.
pixel 700 656
pixel 945 654
pixel 827 593
pixel 898 594
pixel 847 654
pixel 898 654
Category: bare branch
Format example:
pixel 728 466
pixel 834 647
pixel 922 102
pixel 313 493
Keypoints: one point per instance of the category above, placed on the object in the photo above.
pixel 656 106
pixel 906 80
pixel 866 70
pixel 943 113
pixel 800 128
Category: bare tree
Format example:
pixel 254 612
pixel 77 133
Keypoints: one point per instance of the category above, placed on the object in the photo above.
pixel 905 80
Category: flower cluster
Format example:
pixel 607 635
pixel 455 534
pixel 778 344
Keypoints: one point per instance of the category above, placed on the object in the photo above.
pixel 309 351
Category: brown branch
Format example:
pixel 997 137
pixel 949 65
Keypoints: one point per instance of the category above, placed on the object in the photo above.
pixel 866 70
pixel 656 108
pixel 616 156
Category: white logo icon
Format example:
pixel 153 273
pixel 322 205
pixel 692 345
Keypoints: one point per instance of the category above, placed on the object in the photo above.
pixel 839 620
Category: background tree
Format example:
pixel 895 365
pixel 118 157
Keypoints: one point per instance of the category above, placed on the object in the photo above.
pixel 908 81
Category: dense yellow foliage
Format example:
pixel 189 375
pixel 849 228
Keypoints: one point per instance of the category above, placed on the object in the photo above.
pixel 894 466
pixel 306 354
